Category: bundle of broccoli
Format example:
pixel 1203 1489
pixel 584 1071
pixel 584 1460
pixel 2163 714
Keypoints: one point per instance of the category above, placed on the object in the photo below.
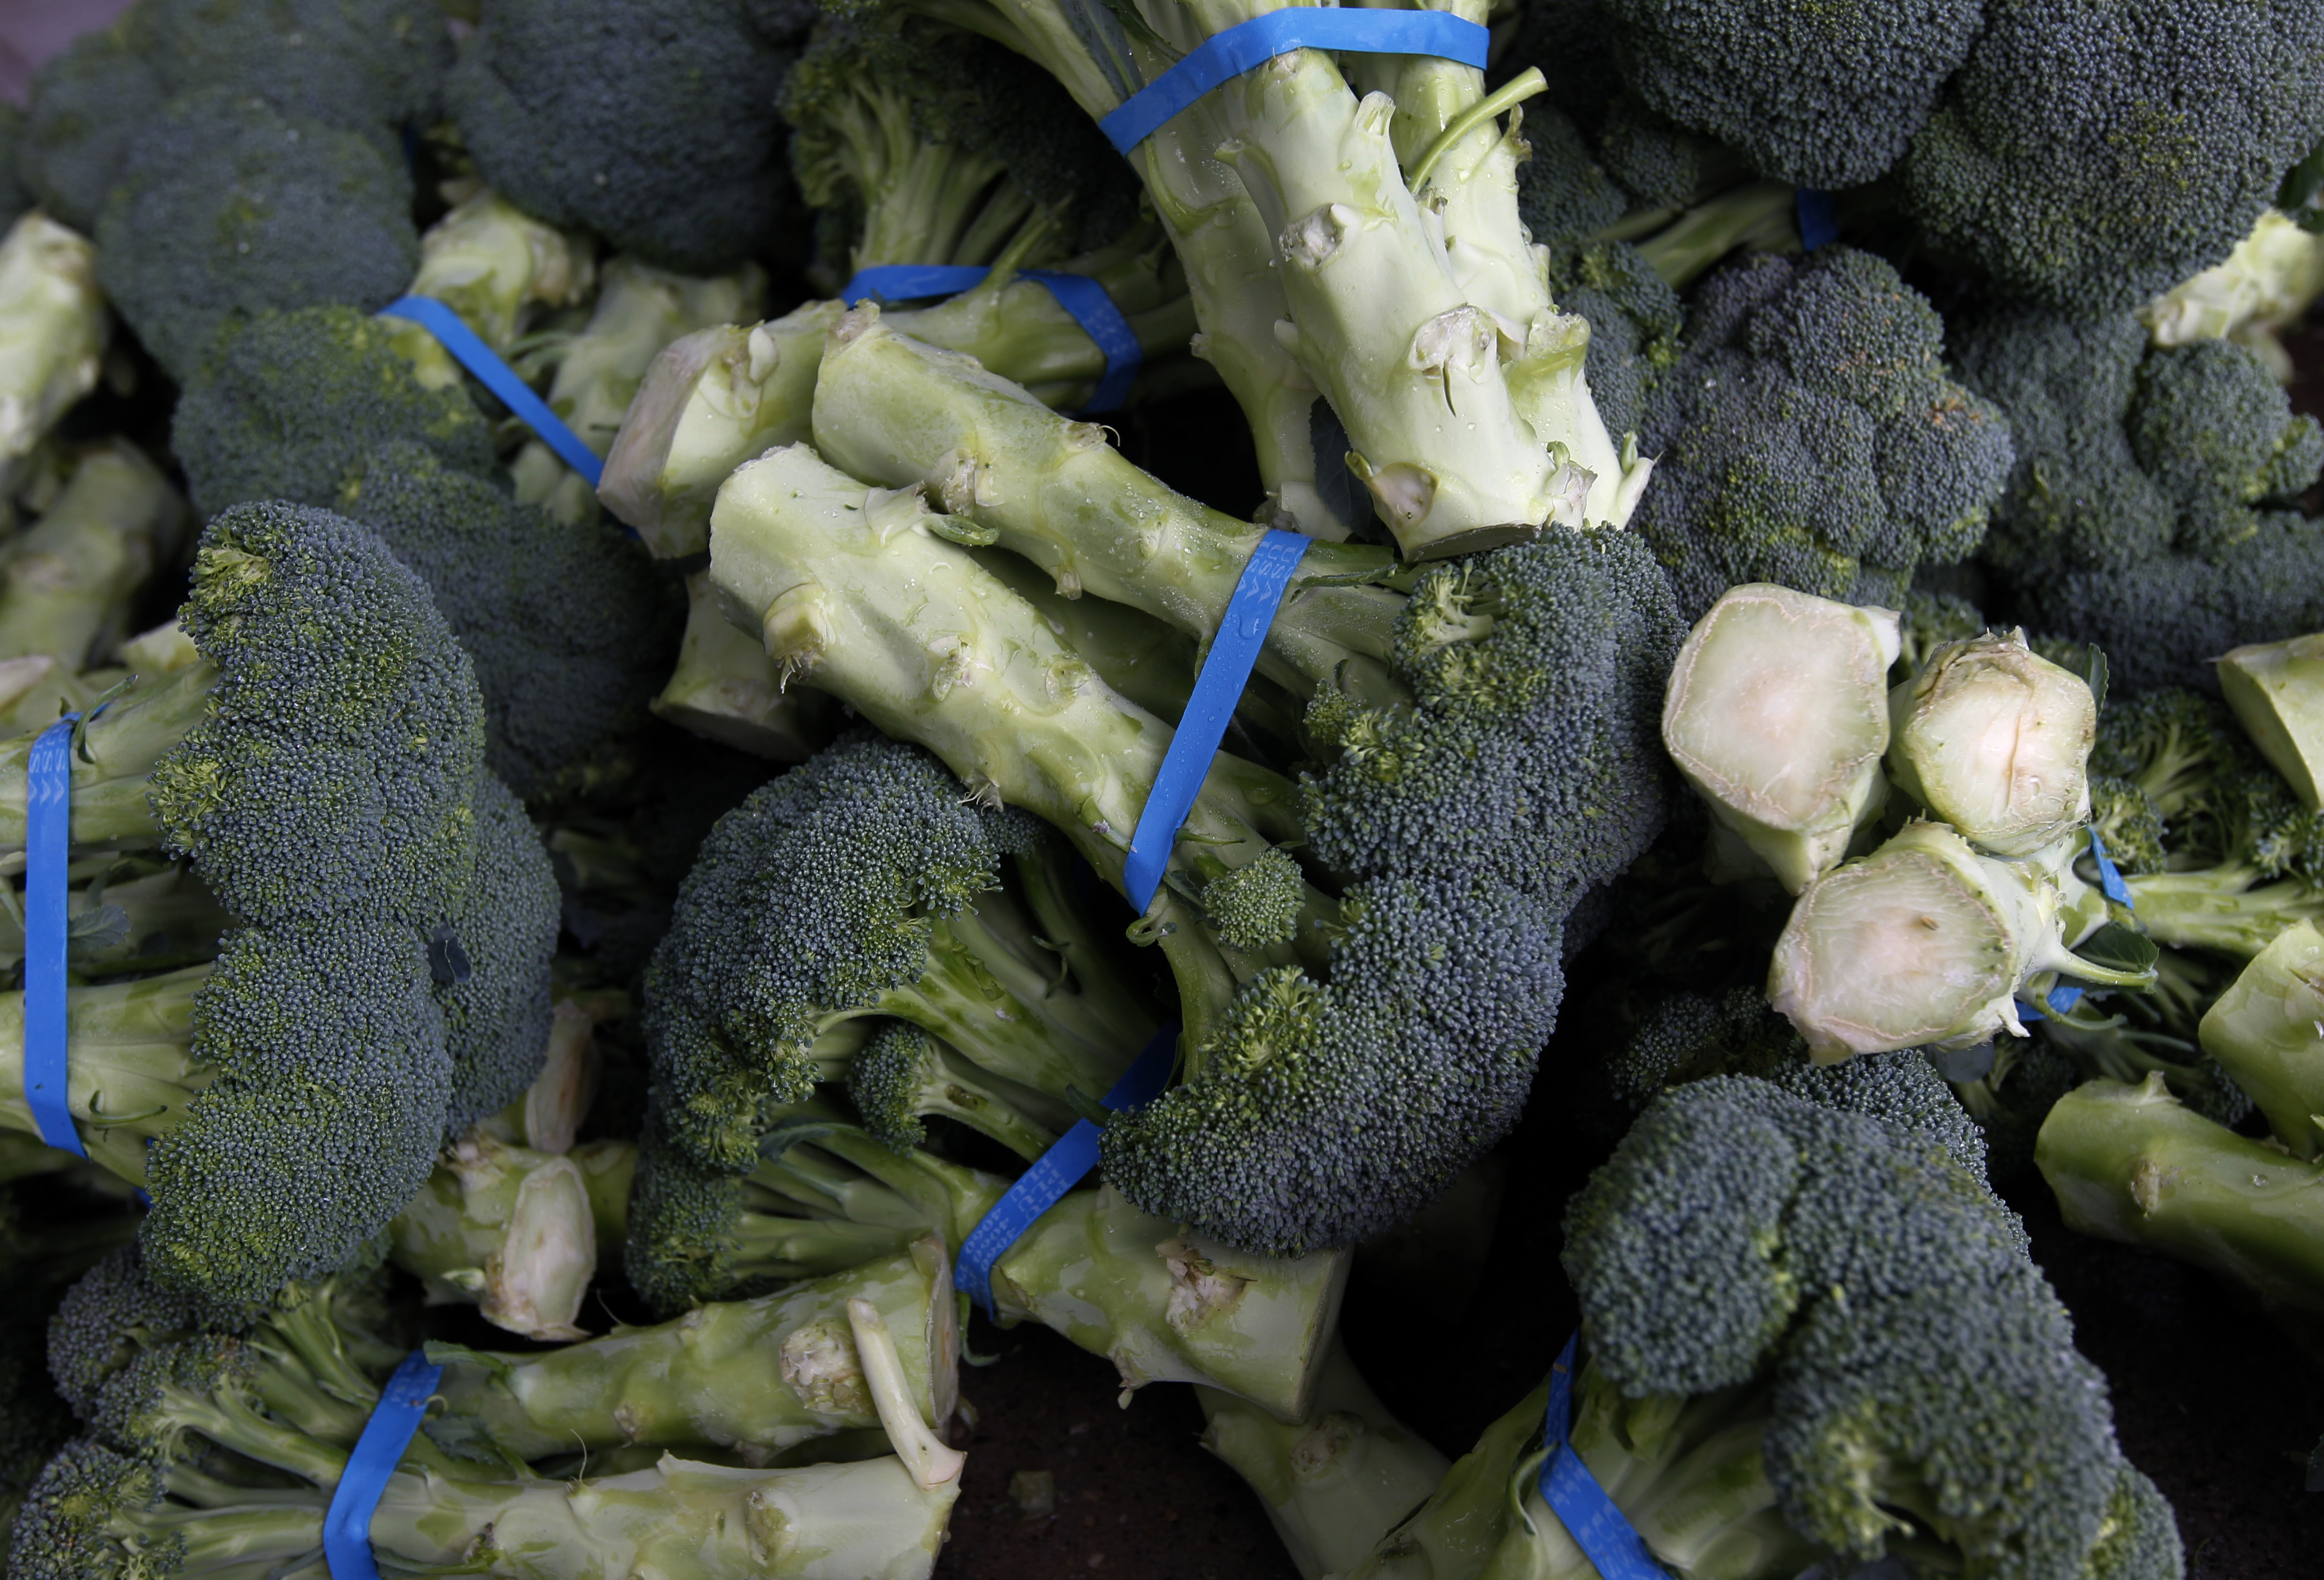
pixel 1799 699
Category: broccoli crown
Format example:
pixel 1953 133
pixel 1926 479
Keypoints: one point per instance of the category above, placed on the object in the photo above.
pixel 291 406
pixel 2185 753
pixel 2009 1105
pixel 1635 319
pixel 81 1520
pixel 892 1081
pixel 814 898
pixel 1530 753
pixel 1563 194
pixel 2090 154
pixel 1659 161
pixel 490 960
pixel 226 207
pixel 1321 1113
pixel 2210 425
pixel 333 799
pixel 1916 1364
pixel 114 1313
pixel 2128 824
pixel 1811 436
pixel 87 105
pixel 1676 1038
pixel 571 630
pixel 1257 905
pixel 651 122
pixel 372 66
pixel 871 99
pixel 682 1249
pixel 1819 96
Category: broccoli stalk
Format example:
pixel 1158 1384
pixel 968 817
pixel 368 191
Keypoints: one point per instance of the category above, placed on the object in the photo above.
pixel 598 368
pixel 506 1228
pixel 2262 1032
pixel 127 913
pixel 725 689
pixel 132 1074
pixel 2130 1163
pixel 1164 1304
pixel 1333 1481
pixel 717 398
pixel 53 332
pixel 67 585
pixel 491 263
pixel 2227 908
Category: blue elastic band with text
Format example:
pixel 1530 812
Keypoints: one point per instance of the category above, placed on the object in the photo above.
pixel 1599 1529
pixel 2111 883
pixel 47 852
pixel 346 1527
pixel 1226 668
pixel 1351 30
pixel 1055 1172
pixel 1085 301
pixel 500 378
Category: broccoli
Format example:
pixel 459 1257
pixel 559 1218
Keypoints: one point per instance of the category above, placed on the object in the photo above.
pixel 1811 436
pixel 652 123
pixel 226 207
pixel 70 582
pixel 87 105
pixel 2131 1163
pixel 53 323
pixel 1443 975
pixel 903 1076
pixel 2089 155
pixel 1814 1330
pixel 293 405
pixel 571 630
pixel 919 144
pixel 383 981
pixel 497 268
pixel 212 1445
pixel 1823 97
pixel 1162 1303
pixel 371 67
pixel 2009 1101
pixel 865 882
pixel 507 1228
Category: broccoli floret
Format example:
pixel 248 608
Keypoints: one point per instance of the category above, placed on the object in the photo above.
pixel 293 405
pixel 903 1076
pixel 372 66
pixel 322 771
pixel 651 122
pixel 87 105
pixel 923 145
pixel 571 630
pixel 2128 824
pixel 2090 154
pixel 1861 1295
pixel 2210 426
pixel 1563 194
pixel 866 883
pixel 2009 1101
pixel 1635 319
pixel 1811 436
pixel 226 207
pixel 1819 96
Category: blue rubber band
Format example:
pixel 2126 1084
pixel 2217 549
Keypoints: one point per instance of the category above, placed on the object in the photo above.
pixel 346 1527
pixel 1598 1527
pixel 1217 688
pixel 2111 883
pixel 2063 998
pixel 1085 301
pixel 500 378
pixel 1819 223
pixel 47 852
pixel 1353 30
pixel 1055 1172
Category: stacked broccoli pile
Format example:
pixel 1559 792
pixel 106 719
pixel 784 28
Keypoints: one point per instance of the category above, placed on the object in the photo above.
pixel 1796 712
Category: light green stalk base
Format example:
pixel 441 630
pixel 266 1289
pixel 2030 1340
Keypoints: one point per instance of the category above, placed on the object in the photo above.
pixel 490 262
pixel 2267 1032
pixel 130 1074
pixel 640 310
pixel 66 585
pixel 2277 692
pixel 506 1229
pixel 53 325
pixel 1335 1481
pixel 2225 908
pixel 2130 1164
pixel 725 689
pixel 755 1375
pixel 111 804
pixel 120 920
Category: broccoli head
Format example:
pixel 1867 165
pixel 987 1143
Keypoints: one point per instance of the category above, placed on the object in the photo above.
pixel 2090 154
pixel 1821 96
pixel 226 207
pixel 1916 1378
pixel 371 67
pixel 291 405
pixel 87 105
pixel 1811 436
pixel 652 123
